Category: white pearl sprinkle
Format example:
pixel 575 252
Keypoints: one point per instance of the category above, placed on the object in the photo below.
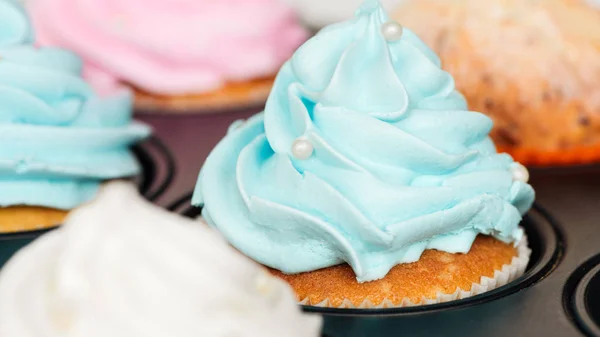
pixel 392 31
pixel 302 148
pixel 519 172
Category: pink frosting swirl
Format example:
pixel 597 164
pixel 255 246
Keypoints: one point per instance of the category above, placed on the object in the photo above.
pixel 171 47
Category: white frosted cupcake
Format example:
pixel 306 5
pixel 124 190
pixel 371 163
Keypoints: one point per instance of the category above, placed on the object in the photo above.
pixel 594 3
pixel 320 13
pixel 122 267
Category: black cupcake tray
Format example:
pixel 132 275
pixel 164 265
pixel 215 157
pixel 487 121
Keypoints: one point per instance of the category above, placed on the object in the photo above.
pixel 559 295
pixel 158 172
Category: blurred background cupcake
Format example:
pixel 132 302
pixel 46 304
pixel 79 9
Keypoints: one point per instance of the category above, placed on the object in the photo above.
pixel 182 56
pixel 533 66
pixel 122 267
pixel 58 140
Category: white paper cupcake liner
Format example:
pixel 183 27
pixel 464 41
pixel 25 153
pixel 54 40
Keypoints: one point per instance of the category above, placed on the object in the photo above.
pixel 507 274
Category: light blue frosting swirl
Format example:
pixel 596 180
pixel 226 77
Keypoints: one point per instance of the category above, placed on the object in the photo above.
pixel 58 140
pixel 399 163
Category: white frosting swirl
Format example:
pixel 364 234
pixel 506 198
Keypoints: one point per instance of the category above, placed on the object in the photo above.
pixel 320 13
pixel 121 267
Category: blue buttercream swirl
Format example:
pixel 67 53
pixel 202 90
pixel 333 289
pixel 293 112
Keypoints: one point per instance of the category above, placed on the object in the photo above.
pixel 58 140
pixel 399 163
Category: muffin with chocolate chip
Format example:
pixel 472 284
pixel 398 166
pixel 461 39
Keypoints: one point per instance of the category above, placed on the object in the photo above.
pixel 533 66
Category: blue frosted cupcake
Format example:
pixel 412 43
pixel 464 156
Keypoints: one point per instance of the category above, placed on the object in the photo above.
pixel 58 140
pixel 367 182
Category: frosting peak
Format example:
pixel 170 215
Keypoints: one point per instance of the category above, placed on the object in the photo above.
pixel 398 163
pixel 122 267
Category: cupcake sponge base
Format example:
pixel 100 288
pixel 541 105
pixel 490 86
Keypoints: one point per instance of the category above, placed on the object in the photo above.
pixel 434 275
pixel 230 97
pixel 25 218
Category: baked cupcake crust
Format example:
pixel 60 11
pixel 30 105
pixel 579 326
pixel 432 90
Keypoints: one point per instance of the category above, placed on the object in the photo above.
pixel 26 218
pixel 533 66
pixel 435 272
pixel 230 97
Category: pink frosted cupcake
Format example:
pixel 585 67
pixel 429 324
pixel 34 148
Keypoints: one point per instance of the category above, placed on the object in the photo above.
pixel 184 55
